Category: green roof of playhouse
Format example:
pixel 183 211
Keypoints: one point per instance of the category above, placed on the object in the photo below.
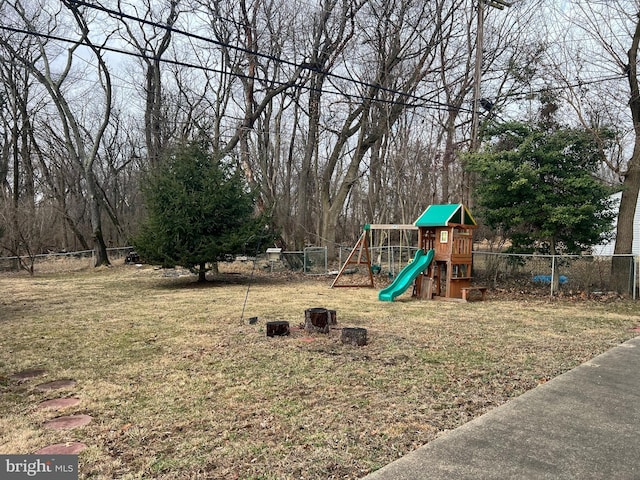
pixel 445 215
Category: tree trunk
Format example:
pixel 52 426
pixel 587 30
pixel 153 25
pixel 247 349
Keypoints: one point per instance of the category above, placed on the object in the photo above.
pixel 153 113
pixel 305 190
pixel 354 336
pixel 317 320
pixel 100 248
pixel 202 273
pixel 621 266
pixel 278 328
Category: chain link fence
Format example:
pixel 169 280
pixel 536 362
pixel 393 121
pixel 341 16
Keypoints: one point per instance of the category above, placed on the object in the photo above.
pixel 310 261
pixel 59 261
pixel 536 274
pixel 546 274
pixel 588 274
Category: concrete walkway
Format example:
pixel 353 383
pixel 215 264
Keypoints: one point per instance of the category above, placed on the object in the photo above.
pixel 584 424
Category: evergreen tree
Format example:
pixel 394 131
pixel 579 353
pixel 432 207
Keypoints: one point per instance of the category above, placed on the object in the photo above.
pixel 538 187
pixel 199 211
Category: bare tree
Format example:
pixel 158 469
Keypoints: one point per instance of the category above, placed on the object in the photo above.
pixel 402 52
pixel 82 147
pixel 355 110
pixel 631 183
pixel 151 35
pixel 598 65
pixel 250 38
pixel 25 224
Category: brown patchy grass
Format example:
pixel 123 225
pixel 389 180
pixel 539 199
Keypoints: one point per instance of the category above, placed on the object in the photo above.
pixel 180 388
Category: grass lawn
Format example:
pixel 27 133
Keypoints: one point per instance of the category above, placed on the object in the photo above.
pixel 180 388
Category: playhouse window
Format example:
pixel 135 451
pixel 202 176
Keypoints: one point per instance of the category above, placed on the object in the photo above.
pixel 460 270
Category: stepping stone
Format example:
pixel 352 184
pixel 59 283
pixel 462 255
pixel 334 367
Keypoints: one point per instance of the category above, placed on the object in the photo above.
pixel 59 403
pixel 70 448
pixel 27 374
pixel 55 385
pixel 68 422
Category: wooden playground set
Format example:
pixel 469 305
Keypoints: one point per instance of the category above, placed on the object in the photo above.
pixel 442 265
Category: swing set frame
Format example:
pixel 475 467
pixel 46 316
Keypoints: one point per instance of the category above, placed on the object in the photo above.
pixel 362 253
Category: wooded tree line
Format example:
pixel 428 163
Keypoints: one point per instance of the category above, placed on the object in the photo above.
pixel 339 112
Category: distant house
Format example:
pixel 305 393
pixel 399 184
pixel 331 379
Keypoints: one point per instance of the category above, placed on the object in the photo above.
pixel 607 248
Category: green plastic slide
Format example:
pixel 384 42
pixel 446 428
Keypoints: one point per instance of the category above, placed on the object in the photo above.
pixel 407 275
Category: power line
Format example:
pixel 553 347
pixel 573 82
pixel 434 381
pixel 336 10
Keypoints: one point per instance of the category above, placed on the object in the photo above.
pixel 303 65
pixel 217 70
pixel 130 53
pixel 435 105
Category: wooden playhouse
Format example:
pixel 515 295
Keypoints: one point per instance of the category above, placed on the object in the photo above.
pixel 448 230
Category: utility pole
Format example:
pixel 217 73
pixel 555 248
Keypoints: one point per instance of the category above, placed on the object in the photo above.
pixel 477 76
pixel 475 114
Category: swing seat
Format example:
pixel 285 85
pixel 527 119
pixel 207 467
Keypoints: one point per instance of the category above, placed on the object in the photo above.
pixel 375 269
